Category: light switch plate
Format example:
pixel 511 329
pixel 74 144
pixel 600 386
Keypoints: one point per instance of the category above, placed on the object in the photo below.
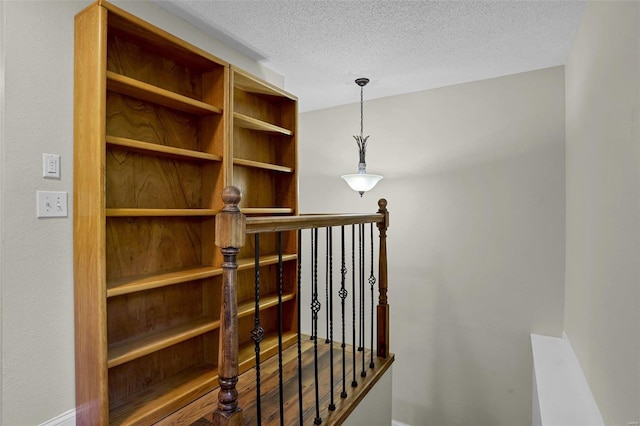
pixel 51 166
pixel 51 203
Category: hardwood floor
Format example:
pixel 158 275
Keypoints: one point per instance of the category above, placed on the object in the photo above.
pixel 270 389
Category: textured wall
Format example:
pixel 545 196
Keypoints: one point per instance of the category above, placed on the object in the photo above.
pixel 474 176
pixel 602 317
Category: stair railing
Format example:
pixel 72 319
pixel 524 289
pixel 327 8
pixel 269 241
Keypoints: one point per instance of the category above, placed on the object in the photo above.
pixel 232 227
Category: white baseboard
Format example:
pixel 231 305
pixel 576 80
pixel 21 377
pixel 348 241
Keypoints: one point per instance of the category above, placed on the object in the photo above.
pixel 65 419
pixel 397 423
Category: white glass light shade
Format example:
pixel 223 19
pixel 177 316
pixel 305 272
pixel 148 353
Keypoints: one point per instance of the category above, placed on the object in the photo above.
pixel 361 182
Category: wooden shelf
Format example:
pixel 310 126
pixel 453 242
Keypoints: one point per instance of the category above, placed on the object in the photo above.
pixel 151 404
pixel 249 83
pixel 247 122
pixel 268 348
pixel 148 282
pixel 159 212
pixel 248 262
pixel 164 150
pixel 131 349
pixel 266 210
pixel 260 165
pixel 141 90
pixel 123 286
pixel 266 301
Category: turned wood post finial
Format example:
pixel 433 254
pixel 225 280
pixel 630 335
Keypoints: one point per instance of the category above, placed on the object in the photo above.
pixel 231 197
pixel 382 205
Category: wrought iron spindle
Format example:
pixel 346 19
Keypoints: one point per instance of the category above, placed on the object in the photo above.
pixel 343 295
pixel 280 380
pixel 354 382
pixel 313 283
pixel 299 296
pixel 326 283
pixel 360 278
pixel 332 405
pixel 372 283
pixel 315 308
pixel 361 236
pixel 257 334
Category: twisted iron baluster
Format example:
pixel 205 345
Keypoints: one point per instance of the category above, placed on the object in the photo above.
pixel 313 256
pixel 280 382
pixel 299 296
pixel 257 334
pixel 315 307
pixel 361 234
pixel 332 405
pixel 372 282
pixel 354 382
pixel 343 295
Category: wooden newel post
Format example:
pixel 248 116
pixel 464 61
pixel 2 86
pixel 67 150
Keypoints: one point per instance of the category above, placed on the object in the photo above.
pixel 230 236
pixel 383 305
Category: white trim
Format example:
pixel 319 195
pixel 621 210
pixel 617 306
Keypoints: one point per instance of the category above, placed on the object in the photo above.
pixel 65 419
pixel 562 392
pixel 397 423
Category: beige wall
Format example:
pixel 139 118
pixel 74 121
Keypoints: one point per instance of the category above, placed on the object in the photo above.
pixel 602 304
pixel 474 177
pixel 36 261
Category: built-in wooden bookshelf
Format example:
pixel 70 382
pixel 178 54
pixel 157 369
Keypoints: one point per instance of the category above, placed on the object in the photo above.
pixel 161 127
pixel 264 145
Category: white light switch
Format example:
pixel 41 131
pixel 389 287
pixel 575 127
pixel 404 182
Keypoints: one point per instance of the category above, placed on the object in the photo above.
pixel 51 203
pixel 51 166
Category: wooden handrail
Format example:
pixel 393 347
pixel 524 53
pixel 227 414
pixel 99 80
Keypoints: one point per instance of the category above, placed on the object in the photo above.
pixel 257 225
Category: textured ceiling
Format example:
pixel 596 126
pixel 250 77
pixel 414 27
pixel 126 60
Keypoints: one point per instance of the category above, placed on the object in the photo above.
pixel 402 46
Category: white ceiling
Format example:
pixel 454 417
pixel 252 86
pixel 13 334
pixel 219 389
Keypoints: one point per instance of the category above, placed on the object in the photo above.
pixel 321 47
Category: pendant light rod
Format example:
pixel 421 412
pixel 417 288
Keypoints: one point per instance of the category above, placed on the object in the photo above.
pixel 362 82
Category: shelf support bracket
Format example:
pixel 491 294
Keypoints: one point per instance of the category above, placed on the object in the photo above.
pixel 230 237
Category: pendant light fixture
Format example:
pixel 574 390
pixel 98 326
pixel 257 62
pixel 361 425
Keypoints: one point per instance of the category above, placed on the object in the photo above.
pixel 362 181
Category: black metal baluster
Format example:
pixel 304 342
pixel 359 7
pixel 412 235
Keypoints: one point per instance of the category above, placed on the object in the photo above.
pixel 363 373
pixel 257 334
pixel 326 283
pixel 313 256
pixel 360 277
pixel 332 405
pixel 343 295
pixel 299 296
pixel 354 382
pixel 280 381
pixel 372 283
pixel 315 308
